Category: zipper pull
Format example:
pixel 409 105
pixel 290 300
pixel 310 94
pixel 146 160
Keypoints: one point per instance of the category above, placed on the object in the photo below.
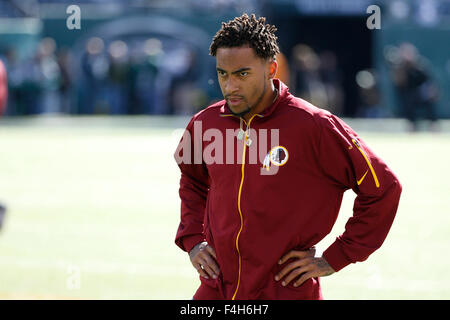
pixel 240 135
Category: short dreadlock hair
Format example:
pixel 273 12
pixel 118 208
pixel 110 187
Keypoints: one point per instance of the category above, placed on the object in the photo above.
pixel 245 30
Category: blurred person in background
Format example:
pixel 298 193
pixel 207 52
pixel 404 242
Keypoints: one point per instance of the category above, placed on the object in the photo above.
pixel 24 79
pixel 95 66
pixel 2 214
pixel 3 87
pixel 416 88
pixel 182 90
pixel 64 60
pixel 306 78
pixel 49 74
pixel 34 81
pixel 8 59
pixel 369 97
pixel 317 78
pixel 283 71
pixel 144 62
pixel 332 80
pixel 186 97
pixel 175 81
pixel 117 77
pixel 31 87
pixel 3 101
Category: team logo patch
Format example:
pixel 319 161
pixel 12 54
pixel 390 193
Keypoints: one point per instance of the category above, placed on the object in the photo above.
pixel 278 156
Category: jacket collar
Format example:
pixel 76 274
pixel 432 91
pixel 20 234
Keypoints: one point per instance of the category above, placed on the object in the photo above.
pixel 283 92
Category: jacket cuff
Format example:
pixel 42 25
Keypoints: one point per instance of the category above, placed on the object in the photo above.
pixel 336 257
pixel 191 241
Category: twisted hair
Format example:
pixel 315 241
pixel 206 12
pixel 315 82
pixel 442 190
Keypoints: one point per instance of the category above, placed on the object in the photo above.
pixel 245 30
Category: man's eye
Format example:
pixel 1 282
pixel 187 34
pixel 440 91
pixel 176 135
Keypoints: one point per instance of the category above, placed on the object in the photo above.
pixel 221 73
pixel 243 73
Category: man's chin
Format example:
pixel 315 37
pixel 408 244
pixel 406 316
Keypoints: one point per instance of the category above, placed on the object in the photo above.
pixel 239 111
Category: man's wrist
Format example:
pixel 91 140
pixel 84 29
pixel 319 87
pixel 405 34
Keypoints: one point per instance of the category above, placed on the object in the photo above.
pixel 190 242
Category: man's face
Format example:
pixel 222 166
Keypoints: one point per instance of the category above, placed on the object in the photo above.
pixel 243 77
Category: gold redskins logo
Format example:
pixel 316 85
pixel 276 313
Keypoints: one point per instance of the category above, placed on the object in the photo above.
pixel 278 156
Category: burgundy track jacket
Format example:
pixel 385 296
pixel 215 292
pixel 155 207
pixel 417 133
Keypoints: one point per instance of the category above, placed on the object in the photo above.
pixel 278 187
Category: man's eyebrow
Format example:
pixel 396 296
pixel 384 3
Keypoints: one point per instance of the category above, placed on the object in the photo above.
pixel 236 71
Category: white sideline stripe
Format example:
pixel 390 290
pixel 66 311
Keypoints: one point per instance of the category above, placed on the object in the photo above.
pixel 102 267
pixel 185 271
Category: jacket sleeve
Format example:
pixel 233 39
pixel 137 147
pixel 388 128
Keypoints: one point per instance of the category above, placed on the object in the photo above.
pixel 193 191
pixel 350 164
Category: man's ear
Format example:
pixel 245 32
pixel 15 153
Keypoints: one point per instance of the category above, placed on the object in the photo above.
pixel 273 67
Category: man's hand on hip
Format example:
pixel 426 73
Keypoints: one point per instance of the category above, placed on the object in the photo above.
pixel 203 258
pixel 307 264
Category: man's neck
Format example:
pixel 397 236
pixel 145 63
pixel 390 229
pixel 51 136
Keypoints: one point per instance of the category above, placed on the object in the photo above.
pixel 268 99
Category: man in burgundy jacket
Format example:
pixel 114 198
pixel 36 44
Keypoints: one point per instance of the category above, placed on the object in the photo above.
pixel 3 99
pixel 262 178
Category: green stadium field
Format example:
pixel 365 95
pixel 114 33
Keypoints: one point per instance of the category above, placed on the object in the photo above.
pixel 93 209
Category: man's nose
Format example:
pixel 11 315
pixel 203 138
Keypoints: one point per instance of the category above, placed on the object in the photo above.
pixel 231 86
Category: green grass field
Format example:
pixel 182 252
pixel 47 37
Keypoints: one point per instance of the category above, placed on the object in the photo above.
pixel 93 209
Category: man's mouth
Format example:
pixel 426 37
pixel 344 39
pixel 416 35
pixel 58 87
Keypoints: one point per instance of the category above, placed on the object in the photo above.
pixel 234 101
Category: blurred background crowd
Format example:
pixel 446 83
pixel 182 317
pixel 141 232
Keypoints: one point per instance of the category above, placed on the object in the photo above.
pixel 151 56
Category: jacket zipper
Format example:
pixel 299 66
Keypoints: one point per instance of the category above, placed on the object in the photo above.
pixel 239 207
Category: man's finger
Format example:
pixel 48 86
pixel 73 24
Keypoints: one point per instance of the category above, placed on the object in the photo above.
pixel 293 254
pixel 201 271
pixel 291 266
pixel 203 259
pixel 209 271
pixel 195 251
pixel 211 251
pixel 296 273
pixel 304 277
pixel 287 256
pixel 210 266
pixel 207 257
